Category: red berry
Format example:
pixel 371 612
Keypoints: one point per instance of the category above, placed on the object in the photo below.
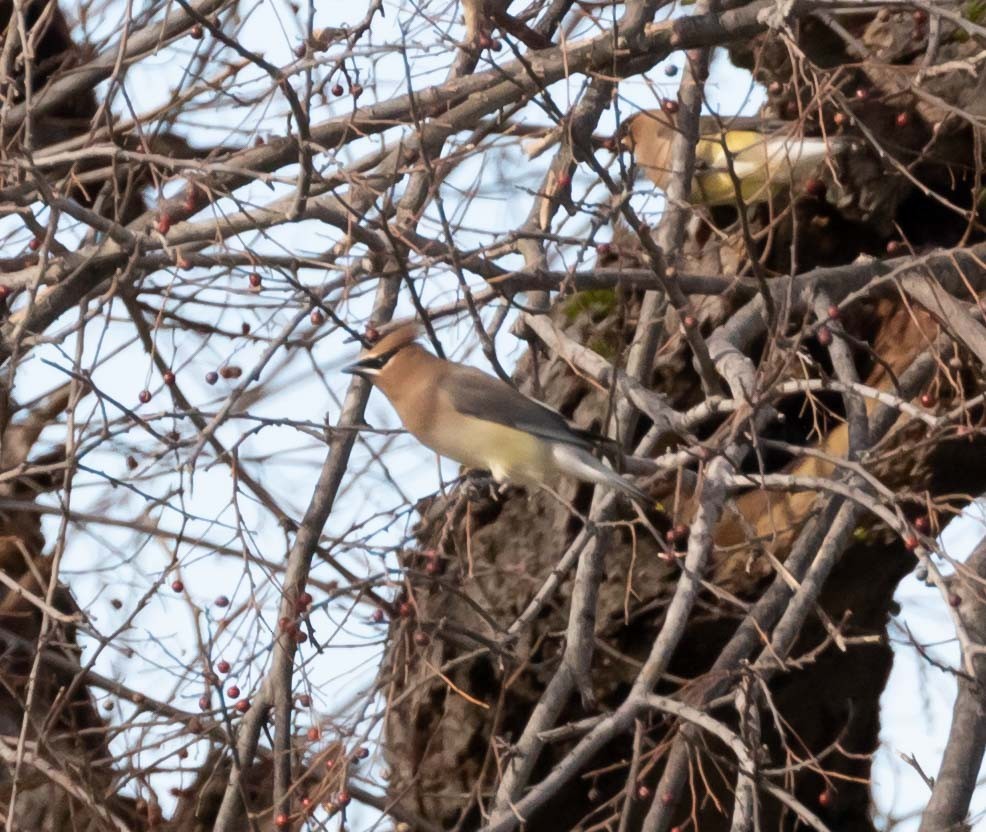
pixel 862 93
pixel 643 793
pixel 604 249
pixel 196 31
pixel 211 377
pixel 496 46
pixel 317 318
pixel 35 243
pixel 304 600
pixel 5 292
pixel 903 119
pixel 304 700
pixel 670 106
pixel 144 396
pixel 245 328
pixel 816 188
pixel 222 666
pixel 204 703
pixel 920 16
pixel 361 753
pixel 178 586
pixel 955 600
pixel 922 524
pixel 314 734
pixel 233 692
pixel 242 706
pixel 377 616
pixel 182 753
pixel 300 50
pixel 282 820
pixel 356 90
pixel 484 40
pixel 163 223
pixel 775 88
pixel 300 636
pixel 254 279
pixel 222 601
pixel 824 336
pixel 840 118
pixel 910 543
pixel 405 610
pixel 132 463
pixel 421 638
pixel 285 624
pixel 564 180
pixel 230 371
pixel 342 799
pixel 337 90
pixel 833 312
pixel 169 377
pixel 259 141
pixel 689 321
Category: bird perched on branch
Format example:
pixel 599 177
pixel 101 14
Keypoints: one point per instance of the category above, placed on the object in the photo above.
pixel 766 157
pixel 480 421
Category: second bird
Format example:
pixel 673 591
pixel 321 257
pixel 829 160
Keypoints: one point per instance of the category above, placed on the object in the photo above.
pixel 480 421
pixel 766 157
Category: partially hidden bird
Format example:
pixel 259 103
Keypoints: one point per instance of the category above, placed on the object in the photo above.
pixel 478 420
pixel 766 156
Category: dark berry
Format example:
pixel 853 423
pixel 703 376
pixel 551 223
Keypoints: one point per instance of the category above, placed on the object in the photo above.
pixel 816 188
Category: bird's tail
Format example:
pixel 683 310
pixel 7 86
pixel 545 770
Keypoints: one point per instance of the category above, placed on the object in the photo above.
pixel 792 160
pixel 579 463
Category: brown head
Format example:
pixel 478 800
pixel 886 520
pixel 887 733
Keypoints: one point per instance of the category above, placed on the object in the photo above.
pixel 388 361
pixel 648 134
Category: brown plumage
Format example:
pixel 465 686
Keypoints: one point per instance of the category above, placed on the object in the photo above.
pixel 478 420
pixel 766 157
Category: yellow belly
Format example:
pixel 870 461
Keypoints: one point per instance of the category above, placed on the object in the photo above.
pixel 507 453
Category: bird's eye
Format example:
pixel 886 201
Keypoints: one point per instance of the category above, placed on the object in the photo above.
pixel 376 362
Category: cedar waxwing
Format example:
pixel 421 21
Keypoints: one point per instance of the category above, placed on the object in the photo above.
pixel 480 421
pixel 766 157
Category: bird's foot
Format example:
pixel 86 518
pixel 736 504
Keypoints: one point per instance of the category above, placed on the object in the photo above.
pixel 479 486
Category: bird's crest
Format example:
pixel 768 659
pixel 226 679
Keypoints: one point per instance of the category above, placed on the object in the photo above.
pixel 392 341
pixel 371 362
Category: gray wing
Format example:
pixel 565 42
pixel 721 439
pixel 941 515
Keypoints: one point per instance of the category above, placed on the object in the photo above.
pixel 474 393
pixel 709 125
